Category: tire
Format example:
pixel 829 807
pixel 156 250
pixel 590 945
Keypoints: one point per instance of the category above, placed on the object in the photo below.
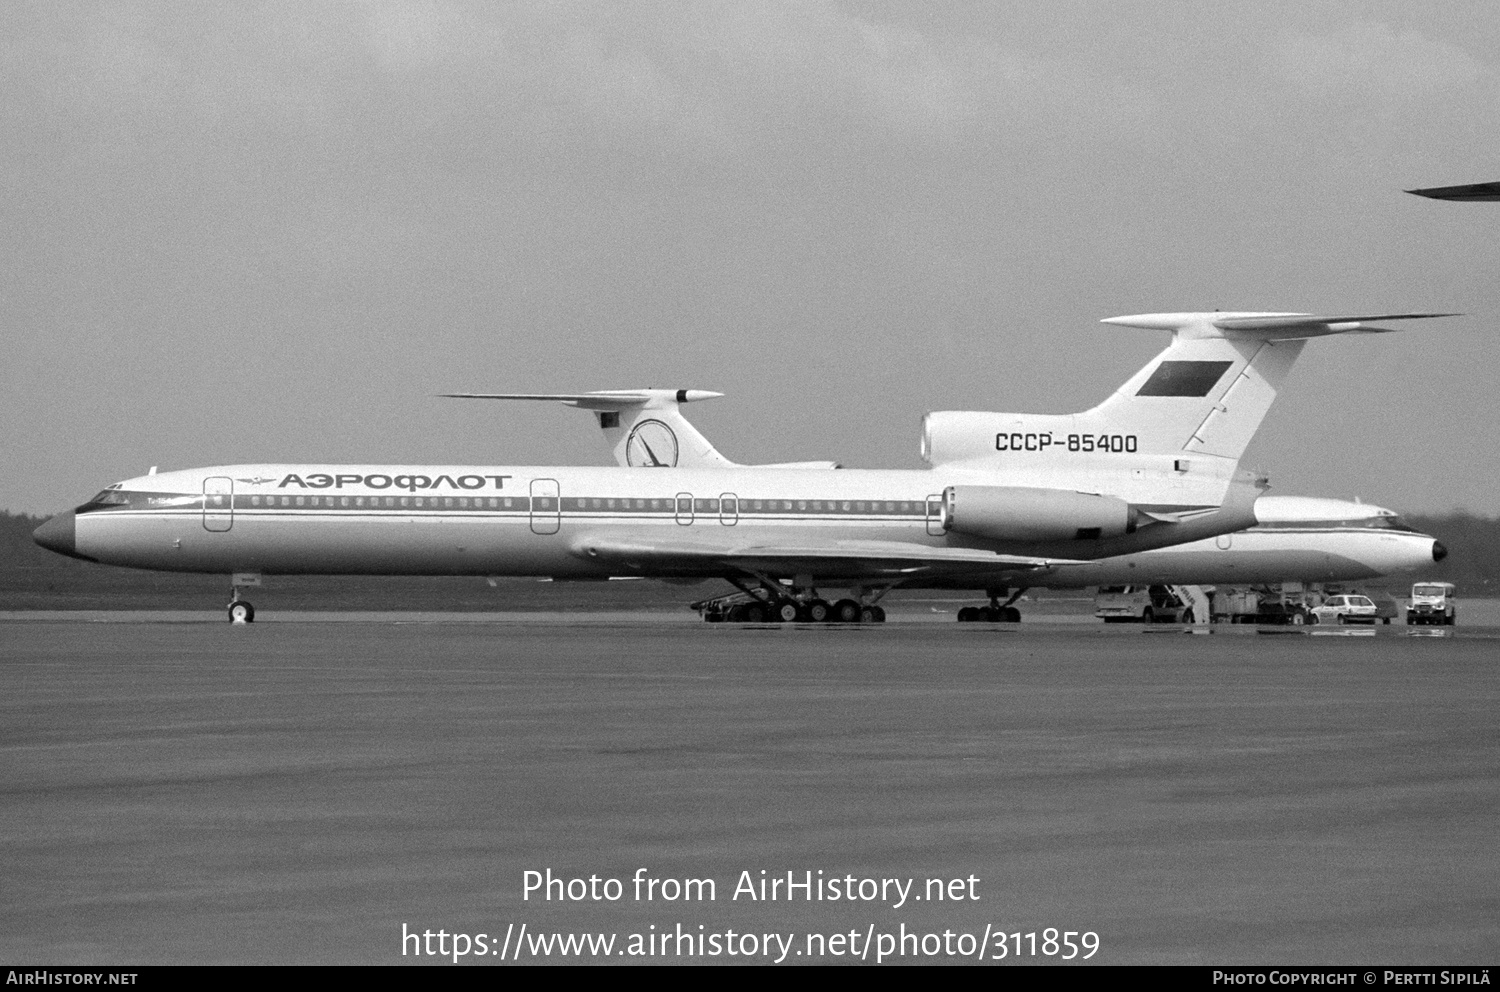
pixel 879 613
pixel 753 613
pixel 1187 616
pixel 1341 620
pixel 1298 619
pixel 966 614
pixel 818 611
pixel 1146 616
pixel 1010 614
pixel 785 612
pixel 847 611
pixel 867 614
pixel 241 612
pixel 1314 619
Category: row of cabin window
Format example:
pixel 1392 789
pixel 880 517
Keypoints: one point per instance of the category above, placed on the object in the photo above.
pixel 449 502
pixel 592 503
pixel 734 505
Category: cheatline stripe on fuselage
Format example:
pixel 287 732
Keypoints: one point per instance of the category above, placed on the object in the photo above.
pixel 520 508
pixel 176 504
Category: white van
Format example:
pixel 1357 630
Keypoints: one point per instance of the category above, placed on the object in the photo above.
pixel 1432 602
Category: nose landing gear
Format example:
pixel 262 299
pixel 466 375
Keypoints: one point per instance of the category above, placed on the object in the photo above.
pixel 240 610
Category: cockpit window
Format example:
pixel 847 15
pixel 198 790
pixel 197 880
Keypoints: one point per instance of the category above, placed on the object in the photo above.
pixel 111 497
pixel 1393 523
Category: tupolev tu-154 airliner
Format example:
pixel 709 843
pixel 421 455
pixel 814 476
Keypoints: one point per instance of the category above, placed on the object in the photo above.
pixel 1005 496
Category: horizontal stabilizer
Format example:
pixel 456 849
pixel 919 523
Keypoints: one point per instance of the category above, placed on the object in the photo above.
pixel 604 399
pixel 644 427
pixel 1263 326
pixel 1307 326
pixel 1473 192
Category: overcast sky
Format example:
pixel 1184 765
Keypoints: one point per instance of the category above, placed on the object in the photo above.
pixel 235 232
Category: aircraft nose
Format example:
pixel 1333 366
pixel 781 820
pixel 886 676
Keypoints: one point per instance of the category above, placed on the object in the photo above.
pixel 59 534
pixel 1438 551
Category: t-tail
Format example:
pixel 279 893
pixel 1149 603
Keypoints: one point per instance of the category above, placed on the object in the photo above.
pixel 1171 437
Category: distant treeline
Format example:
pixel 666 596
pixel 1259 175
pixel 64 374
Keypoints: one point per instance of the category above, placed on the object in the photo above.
pixel 1473 543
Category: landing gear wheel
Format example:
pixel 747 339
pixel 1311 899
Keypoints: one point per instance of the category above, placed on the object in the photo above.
pixel 879 614
pixel 785 612
pixel 846 611
pixel 1009 614
pixel 241 612
pixel 752 613
pixel 1146 615
pixel 867 614
pixel 968 614
pixel 818 611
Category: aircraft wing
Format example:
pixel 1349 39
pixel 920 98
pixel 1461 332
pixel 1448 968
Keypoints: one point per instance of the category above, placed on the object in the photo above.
pixel 648 553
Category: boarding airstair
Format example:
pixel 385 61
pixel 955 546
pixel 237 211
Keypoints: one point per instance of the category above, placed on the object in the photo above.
pixel 1196 600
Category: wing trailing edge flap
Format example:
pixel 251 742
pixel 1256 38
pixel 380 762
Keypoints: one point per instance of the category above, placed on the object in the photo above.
pixel 648 552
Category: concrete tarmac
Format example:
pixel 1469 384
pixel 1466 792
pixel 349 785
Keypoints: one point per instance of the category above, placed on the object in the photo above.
pixel 299 792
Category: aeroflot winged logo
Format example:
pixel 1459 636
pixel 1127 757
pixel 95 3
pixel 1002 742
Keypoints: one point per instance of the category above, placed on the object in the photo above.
pixel 652 444
pixel 411 483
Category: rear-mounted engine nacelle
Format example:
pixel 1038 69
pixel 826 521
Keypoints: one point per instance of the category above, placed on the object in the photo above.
pixel 1016 513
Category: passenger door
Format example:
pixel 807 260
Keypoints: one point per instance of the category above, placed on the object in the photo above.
pixel 218 503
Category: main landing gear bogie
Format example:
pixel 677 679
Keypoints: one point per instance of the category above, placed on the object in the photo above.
pixel 791 611
pixel 989 614
pixel 996 612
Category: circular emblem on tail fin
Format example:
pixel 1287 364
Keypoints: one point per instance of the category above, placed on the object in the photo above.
pixel 651 445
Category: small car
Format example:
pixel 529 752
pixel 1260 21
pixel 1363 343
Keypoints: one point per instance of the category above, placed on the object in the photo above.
pixel 1294 614
pixel 1346 609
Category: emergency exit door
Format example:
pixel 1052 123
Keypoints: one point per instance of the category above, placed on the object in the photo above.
pixel 546 506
